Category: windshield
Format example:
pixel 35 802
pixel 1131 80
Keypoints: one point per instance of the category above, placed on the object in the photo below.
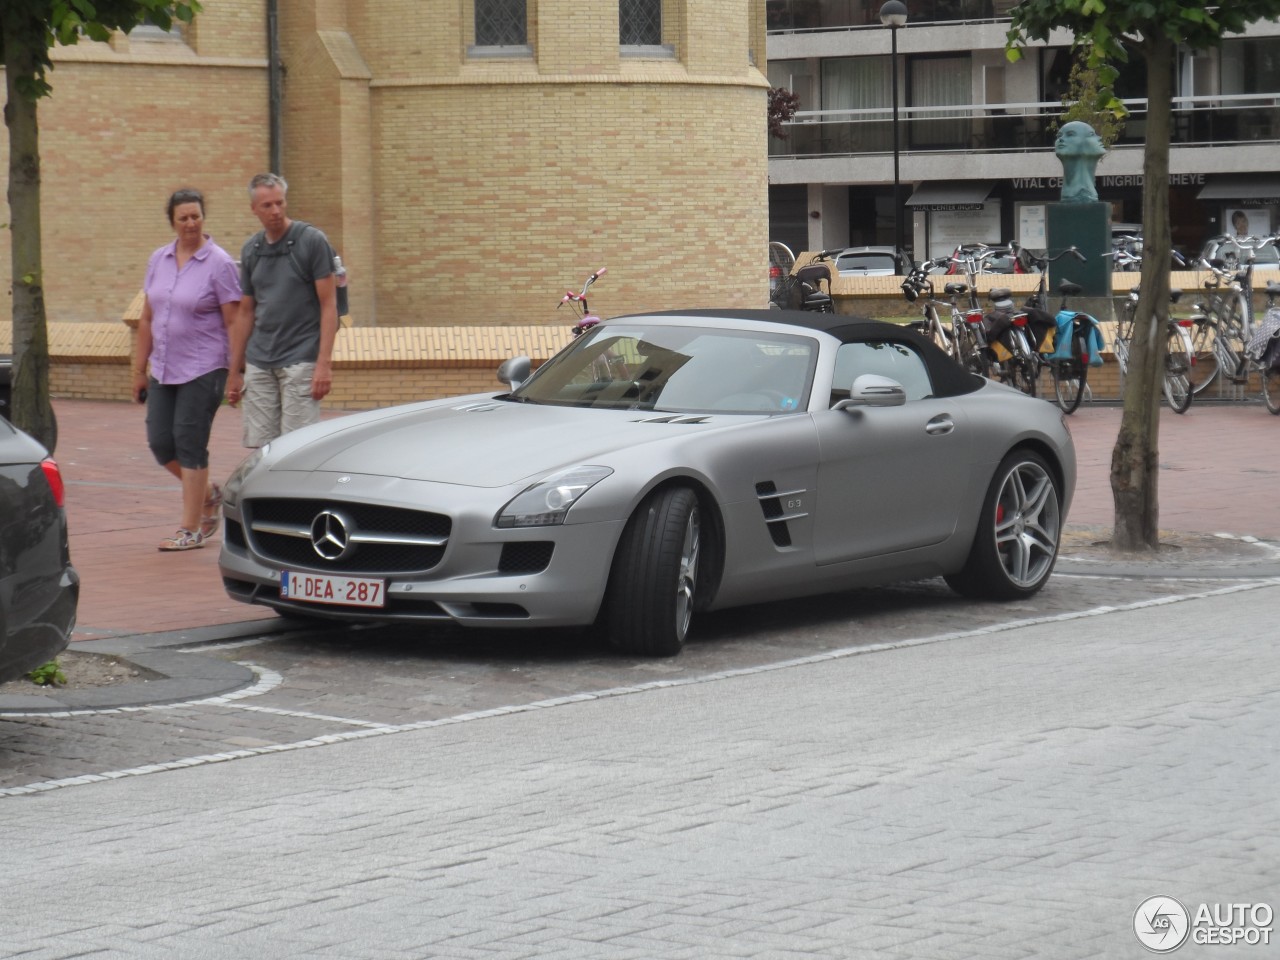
pixel 681 369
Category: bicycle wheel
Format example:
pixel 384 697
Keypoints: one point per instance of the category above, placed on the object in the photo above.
pixel 1204 362
pixel 1271 388
pixel 1177 365
pixel 938 333
pixel 1069 376
pixel 1021 375
pixel 1121 350
pixel 969 353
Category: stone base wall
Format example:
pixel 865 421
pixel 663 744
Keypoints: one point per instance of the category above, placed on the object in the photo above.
pixel 373 367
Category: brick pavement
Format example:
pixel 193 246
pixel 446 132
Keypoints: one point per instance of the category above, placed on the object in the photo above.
pixel 1219 475
pixel 998 796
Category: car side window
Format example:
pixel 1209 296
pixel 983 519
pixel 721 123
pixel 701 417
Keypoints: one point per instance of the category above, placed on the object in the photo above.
pixel 887 358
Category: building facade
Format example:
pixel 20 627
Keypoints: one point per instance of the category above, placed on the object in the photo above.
pixel 975 132
pixel 470 159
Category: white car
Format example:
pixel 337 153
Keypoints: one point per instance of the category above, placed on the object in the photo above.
pixel 1235 251
pixel 872 262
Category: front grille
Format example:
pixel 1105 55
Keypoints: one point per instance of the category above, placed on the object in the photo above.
pixel 385 540
pixel 521 556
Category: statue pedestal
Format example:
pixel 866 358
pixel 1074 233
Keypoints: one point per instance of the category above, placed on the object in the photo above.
pixel 1087 227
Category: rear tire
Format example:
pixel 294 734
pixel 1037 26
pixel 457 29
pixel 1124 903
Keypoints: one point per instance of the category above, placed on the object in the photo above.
pixel 969 354
pixel 1019 531
pixel 1271 389
pixel 654 579
pixel 1204 362
pixel 1069 376
pixel 1022 376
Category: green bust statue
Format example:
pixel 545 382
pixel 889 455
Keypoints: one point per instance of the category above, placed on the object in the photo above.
pixel 1079 148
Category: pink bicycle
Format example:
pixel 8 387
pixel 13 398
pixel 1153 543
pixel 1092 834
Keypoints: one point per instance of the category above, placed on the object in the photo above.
pixel 586 319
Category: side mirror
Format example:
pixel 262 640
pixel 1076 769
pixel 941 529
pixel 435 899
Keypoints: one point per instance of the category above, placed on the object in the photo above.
pixel 873 390
pixel 515 371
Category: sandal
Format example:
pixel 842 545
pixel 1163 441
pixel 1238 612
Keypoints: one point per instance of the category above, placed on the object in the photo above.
pixel 184 539
pixel 212 516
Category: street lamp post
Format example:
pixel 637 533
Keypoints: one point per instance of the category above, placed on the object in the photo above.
pixel 893 15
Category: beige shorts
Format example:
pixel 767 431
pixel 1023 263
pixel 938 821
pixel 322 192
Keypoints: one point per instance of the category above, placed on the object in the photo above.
pixel 276 401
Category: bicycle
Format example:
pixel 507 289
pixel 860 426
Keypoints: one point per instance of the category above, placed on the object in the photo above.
pixel 609 365
pixel 964 341
pixel 1066 343
pixel 1074 346
pixel 1263 350
pixel 578 302
pixel 1223 324
pixel 1179 357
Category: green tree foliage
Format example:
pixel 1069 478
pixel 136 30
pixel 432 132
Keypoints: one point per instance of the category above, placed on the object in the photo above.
pixel 28 31
pixel 1111 31
pixel 1090 99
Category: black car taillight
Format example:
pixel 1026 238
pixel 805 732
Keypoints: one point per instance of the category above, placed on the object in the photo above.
pixel 54 476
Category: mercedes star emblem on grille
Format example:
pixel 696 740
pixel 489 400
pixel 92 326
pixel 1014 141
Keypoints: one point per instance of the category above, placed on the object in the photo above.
pixel 331 535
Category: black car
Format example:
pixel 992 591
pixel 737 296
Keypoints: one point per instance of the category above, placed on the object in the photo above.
pixel 39 588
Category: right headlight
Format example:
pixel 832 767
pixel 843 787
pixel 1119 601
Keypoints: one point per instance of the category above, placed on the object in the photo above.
pixel 545 503
pixel 231 489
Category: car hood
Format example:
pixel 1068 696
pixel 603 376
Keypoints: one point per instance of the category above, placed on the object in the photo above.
pixel 486 443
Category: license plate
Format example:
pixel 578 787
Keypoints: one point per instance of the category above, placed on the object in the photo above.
pixel 321 588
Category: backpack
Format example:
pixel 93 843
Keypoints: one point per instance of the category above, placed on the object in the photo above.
pixel 260 237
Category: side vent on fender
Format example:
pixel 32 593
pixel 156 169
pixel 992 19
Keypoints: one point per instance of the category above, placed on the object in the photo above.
pixel 484 406
pixel 778 507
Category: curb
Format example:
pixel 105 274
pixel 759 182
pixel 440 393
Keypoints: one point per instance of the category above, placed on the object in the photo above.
pixel 186 675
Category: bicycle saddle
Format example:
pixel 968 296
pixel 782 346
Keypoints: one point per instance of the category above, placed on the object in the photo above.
pixel 954 289
pixel 1069 289
pixel 999 293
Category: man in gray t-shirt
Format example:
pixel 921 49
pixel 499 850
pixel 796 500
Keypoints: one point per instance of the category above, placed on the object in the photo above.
pixel 282 342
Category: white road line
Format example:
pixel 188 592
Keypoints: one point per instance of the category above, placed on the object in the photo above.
pixel 268 680
pixel 377 731
pixel 303 715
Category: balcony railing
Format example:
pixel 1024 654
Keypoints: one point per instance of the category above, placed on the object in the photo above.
pixel 1017 127
pixel 803 16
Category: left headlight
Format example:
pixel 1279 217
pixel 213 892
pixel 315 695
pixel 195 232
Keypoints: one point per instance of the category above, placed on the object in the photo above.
pixel 546 502
pixel 231 489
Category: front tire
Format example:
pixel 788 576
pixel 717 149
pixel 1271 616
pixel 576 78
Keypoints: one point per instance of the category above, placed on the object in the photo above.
pixel 654 580
pixel 1019 531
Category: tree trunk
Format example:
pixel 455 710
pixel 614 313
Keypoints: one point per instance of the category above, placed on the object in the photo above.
pixel 30 407
pixel 1135 461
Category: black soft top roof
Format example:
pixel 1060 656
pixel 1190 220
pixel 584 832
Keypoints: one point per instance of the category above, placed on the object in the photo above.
pixel 948 377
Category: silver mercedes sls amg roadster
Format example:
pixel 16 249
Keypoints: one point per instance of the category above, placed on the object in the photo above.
pixel 658 466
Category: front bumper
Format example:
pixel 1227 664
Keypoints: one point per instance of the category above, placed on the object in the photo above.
pixel 474 582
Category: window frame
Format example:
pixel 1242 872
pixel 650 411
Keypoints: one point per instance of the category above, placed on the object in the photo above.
pixel 479 50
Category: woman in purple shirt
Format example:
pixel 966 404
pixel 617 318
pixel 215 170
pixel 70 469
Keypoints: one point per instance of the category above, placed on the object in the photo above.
pixel 192 292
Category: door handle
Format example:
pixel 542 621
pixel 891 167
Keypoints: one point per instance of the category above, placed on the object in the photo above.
pixel 940 425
